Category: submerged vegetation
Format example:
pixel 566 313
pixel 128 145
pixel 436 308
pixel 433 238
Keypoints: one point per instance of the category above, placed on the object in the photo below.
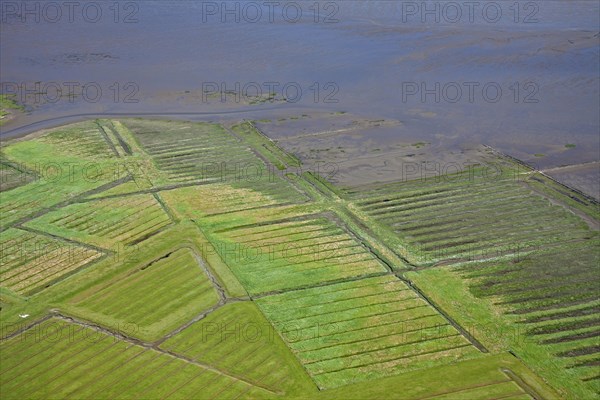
pixel 201 257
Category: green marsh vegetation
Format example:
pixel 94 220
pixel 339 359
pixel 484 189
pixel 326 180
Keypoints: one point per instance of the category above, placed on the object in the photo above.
pixel 8 106
pixel 186 259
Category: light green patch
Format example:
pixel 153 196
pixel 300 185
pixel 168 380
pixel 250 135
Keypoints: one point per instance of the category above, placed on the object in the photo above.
pixel 7 107
pixel 238 338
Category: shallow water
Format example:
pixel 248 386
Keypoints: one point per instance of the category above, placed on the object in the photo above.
pixel 364 64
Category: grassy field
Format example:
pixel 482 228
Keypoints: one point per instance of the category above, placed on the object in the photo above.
pixel 219 198
pixel 553 295
pixel 522 242
pixel 147 296
pixel 64 360
pixel 468 215
pixel 31 261
pixel 291 253
pixel 196 260
pixel 12 175
pixel 363 329
pixel 500 328
pixel 107 222
pixel 64 164
pixel 500 376
pixel 239 339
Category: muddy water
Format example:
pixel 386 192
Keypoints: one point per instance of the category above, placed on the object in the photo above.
pixel 363 57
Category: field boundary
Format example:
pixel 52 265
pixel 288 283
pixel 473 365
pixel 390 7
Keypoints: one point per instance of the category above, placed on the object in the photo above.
pixel 137 342
pixel 447 317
